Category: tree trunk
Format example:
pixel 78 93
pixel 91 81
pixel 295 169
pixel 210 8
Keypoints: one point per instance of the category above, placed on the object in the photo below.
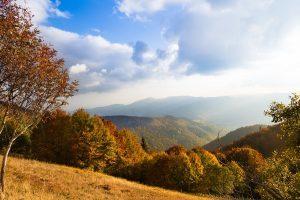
pixel 3 167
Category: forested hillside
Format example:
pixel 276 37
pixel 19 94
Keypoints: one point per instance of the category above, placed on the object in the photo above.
pixel 232 137
pixel 161 133
pixel 266 141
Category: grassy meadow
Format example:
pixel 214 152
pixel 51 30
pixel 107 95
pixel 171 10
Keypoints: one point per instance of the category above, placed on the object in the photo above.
pixel 29 179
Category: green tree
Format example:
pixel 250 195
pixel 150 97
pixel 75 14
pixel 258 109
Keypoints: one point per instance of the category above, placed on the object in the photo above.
pixel 144 145
pixel 288 116
pixel 281 177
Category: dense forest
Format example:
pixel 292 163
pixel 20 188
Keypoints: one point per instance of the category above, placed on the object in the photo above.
pixel 164 132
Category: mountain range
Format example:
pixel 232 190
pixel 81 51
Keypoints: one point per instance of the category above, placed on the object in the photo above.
pixel 230 112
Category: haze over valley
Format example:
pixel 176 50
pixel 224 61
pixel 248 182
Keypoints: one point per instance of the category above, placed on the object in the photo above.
pixel 228 112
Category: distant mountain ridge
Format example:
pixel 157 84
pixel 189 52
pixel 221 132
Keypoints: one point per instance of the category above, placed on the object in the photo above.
pixel 163 132
pixel 228 111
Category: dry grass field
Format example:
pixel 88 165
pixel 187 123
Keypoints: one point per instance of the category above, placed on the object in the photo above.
pixel 27 179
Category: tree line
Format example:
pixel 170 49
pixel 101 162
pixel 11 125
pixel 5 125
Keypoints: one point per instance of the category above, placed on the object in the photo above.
pixel 91 142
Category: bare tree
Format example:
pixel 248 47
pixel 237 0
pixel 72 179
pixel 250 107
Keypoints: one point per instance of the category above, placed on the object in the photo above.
pixel 32 79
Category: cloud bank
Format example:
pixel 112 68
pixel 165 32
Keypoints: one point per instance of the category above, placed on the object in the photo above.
pixel 216 35
pixel 43 9
pixel 214 47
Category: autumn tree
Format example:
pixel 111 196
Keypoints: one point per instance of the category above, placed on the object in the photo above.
pixel 93 145
pixel 32 79
pixel 250 159
pixel 253 163
pixel 207 158
pixel 176 168
pixel 222 180
pixel 281 178
pixel 218 179
pixel 51 140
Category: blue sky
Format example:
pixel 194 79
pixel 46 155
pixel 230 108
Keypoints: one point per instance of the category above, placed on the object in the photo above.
pixel 125 50
pixel 102 17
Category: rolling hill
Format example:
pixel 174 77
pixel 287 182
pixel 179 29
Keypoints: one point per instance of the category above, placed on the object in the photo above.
pixel 266 141
pixel 232 137
pixel 229 111
pixel 28 179
pixel 163 132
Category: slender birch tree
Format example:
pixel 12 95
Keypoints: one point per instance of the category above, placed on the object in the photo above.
pixel 33 80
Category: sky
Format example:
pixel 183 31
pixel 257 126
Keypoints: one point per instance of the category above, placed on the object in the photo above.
pixel 121 51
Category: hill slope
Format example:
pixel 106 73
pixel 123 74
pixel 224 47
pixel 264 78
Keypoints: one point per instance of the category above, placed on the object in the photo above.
pixel 230 112
pixel 34 180
pixel 163 132
pixel 265 141
pixel 232 137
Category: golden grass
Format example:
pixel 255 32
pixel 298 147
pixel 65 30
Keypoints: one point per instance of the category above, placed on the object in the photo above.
pixel 27 179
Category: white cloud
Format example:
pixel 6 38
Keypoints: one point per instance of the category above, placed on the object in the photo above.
pixel 78 68
pixel 110 65
pixel 134 8
pixel 43 9
pixel 216 35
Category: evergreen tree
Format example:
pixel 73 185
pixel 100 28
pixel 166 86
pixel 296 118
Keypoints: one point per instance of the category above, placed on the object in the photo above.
pixel 144 145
